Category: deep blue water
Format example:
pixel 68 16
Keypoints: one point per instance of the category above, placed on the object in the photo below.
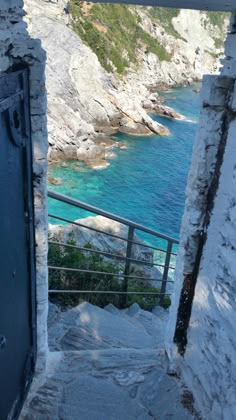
pixel 145 182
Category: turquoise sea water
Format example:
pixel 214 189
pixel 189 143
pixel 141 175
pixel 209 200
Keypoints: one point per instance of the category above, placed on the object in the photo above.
pixel 145 182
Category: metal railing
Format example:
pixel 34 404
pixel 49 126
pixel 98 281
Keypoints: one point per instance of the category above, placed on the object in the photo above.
pixel 130 262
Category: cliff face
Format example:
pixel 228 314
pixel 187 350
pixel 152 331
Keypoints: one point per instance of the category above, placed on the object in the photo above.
pixel 137 48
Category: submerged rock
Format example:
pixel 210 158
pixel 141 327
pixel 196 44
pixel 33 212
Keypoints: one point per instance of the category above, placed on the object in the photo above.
pixel 105 141
pixel 54 181
pixel 110 155
pixel 168 112
pixel 154 105
pixel 121 145
pixel 97 163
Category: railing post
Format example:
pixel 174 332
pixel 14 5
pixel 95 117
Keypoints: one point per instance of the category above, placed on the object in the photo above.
pixel 124 298
pixel 165 273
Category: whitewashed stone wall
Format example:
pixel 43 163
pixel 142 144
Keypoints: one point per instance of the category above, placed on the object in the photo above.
pixel 208 246
pixel 17 49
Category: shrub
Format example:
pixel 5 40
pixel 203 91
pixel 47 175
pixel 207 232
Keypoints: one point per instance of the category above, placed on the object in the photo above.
pixel 60 256
pixel 146 302
pixel 69 257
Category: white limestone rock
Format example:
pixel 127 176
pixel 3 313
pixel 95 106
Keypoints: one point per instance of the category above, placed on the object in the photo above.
pixel 101 241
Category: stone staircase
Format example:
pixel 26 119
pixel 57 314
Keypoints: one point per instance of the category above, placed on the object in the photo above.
pixel 107 364
pixel 88 327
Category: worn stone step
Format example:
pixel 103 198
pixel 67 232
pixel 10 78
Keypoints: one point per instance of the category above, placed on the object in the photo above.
pixel 88 327
pixel 108 384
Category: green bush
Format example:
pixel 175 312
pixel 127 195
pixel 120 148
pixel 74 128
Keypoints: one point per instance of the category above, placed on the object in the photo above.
pixel 69 257
pixel 146 302
pixel 60 256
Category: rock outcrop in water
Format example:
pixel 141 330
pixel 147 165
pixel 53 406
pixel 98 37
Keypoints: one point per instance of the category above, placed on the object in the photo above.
pixel 87 103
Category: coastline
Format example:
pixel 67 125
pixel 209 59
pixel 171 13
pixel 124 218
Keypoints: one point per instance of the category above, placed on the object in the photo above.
pixel 134 185
pixel 102 142
pixel 87 100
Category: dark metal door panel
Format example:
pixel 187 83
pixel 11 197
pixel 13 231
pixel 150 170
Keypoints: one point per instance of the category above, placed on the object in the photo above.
pixel 16 274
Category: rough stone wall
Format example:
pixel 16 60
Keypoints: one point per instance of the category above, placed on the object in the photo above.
pixel 207 253
pixel 17 49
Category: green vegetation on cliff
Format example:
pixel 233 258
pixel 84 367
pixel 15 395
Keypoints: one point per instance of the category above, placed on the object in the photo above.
pixel 114 33
pixel 217 18
pixel 164 17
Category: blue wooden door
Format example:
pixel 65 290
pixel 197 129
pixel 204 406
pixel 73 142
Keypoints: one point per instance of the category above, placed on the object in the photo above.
pixel 17 292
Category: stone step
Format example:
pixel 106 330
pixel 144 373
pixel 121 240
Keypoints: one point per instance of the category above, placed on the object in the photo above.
pixel 88 327
pixel 108 384
pixel 106 360
pixel 153 322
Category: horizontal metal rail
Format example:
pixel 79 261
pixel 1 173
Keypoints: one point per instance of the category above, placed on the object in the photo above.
pixel 126 275
pixel 80 204
pixel 79 270
pixel 109 254
pixel 73 222
pixel 107 292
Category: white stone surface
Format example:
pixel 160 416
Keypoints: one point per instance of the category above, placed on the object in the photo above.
pixel 209 365
pixel 213 314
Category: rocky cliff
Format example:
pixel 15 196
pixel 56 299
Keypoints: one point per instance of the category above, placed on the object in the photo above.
pixel 138 49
